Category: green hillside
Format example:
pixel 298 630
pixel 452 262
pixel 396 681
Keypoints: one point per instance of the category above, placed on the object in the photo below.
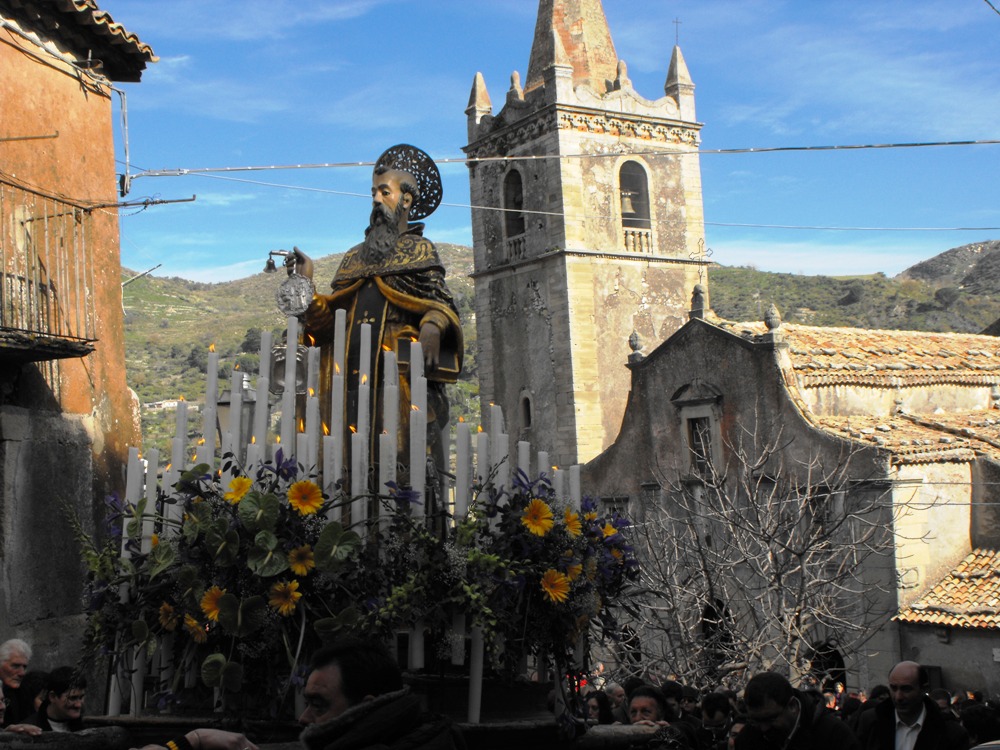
pixel 170 322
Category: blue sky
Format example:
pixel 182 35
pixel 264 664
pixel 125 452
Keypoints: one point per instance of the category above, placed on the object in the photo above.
pixel 280 82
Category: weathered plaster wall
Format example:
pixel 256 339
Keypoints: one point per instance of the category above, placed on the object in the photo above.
pixel 65 426
pixel 968 658
pixel 848 400
pixel 932 524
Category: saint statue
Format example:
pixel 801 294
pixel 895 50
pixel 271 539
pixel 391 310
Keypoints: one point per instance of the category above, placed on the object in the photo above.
pixel 394 281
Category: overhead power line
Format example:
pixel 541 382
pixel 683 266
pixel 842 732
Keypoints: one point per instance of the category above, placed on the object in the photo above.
pixel 183 171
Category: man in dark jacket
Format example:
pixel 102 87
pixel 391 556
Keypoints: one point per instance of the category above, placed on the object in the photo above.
pixel 355 699
pixel 911 720
pixel 62 707
pixel 782 718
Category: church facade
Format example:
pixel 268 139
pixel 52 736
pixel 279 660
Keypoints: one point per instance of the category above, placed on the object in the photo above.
pixel 587 228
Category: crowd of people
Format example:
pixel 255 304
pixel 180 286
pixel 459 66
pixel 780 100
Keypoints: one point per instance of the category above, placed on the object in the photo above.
pixel 771 714
pixel 355 698
pixel 32 702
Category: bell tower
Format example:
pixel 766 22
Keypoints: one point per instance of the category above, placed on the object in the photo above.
pixel 587 226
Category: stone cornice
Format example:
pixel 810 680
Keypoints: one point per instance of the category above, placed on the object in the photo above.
pixel 599 122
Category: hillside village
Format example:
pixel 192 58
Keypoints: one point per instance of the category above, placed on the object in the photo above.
pixel 780 472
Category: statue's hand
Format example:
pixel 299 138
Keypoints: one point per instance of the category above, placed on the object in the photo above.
pixel 430 343
pixel 300 263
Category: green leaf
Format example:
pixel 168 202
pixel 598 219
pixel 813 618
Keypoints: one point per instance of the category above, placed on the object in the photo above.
pixel 232 677
pixel 160 559
pixel 334 546
pixel 229 613
pixel 266 562
pixel 259 512
pixel 241 618
pixel 327 628
pixel 211 670
pixel 199 515
pixel 140 631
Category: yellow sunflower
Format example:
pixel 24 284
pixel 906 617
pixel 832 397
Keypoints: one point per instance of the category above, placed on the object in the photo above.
pixel 195 629
pixel 573 571
pixel 168 617
pixel 237 489
pixel 590 515
pixel 609 530
pixel 572 521
pixel 555 585
pixel 210 603
pixel 305 497
pixel 284 596
pixel 537 517
pixel 301 560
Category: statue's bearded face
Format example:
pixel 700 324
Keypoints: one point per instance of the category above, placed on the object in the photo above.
pixel 383 230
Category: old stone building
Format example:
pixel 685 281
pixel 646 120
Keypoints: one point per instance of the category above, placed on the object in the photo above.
pixel 587 227
pixel 66 414
pixel 890 437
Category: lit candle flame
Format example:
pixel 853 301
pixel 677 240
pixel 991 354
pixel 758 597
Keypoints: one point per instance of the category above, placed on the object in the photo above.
pixel 312 391
pixel 236 366
pixel 211 347
pixel 168 467
pixel 278 439
pixel 353 428
pixel 180 398
pixel 336 369
pixel 461 419
pixel 364 379
pixel 326 429
pixel 312 341
pixel 302 425
pixel 201 442
pixel 253 440
pixel 386 347
pixel 414 407
pixel 480 429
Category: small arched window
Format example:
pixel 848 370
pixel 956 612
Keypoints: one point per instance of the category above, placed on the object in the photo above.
pixel 513 203
pixel 634 193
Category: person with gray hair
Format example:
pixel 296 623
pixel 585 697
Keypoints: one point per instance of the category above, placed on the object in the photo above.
pixel 14 657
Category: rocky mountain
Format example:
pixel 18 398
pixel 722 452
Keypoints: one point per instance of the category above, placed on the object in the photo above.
pixel 974 268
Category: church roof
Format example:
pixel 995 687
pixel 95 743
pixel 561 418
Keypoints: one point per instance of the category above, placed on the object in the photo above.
pixel 880 358
pixel 968 597
pixel 83 27
pixel 573 32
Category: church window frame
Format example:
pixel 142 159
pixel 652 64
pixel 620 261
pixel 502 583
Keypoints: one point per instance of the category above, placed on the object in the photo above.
pixel 515 225
pixel 699 407
pixel 633 207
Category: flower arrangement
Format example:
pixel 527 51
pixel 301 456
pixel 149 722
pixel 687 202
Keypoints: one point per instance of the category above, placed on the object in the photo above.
pixel 253 575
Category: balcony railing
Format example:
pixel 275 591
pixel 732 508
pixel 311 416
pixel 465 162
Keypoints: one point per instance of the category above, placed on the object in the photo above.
pixel 47 308
pixel 638 240
pixel 516 247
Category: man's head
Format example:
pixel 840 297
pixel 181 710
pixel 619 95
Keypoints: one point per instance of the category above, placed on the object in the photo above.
pixel 14 657
pixel 345 675
pixel 907 684
pixel 772 706
pixel 673 692
pixel 65 695
pixel 616 693
pixel 716 714
pixel 647 704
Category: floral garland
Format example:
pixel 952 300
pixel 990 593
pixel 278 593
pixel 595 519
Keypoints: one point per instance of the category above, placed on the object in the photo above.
pixel 255 576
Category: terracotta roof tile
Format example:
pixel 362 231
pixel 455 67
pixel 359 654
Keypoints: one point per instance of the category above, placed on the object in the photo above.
pixel 84 26
pixel 830 356
pixel 968 597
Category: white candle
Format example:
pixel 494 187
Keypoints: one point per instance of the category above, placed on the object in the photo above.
pixel 416 654
pixel 364 409
pixel 312 368
pixel 302 450
pixel 386 465
pixel 558 483
pixel 543 463
pixel 475 675
pixel 575 492
pixel 312 432
pixel 211 403
pixel 483 457
pixel 261 416
pixel 416 361
pixel 327 464
pixel 358 488
pixel 149 516
pixel 365 365
pixel 463 469
pixel 255 453
pixel 266 344
pixel 235 442
pixel 418 425
pixel 288 427
pixel 390 401
pixel 524 458
pixel 501 460
pixel 339 339
pixel 182 420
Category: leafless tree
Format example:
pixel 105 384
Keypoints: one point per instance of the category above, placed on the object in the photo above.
pixel 766 558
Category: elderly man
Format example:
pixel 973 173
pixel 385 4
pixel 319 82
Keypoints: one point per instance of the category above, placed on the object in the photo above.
pixel 393 281
pixel 14 657
pixel 17 728
pixel 782 718
pixel 911 720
